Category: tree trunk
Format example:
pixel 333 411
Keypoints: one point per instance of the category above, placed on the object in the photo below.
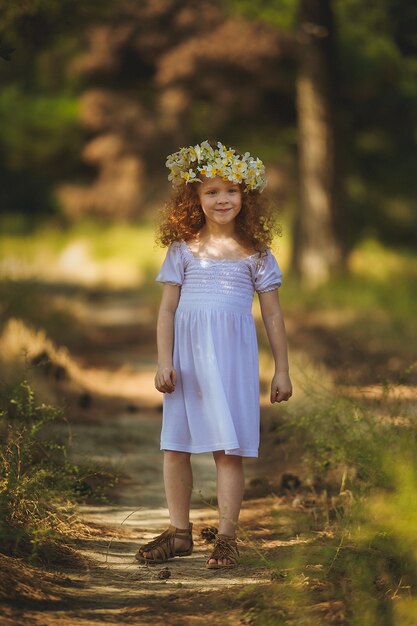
pixel 318 238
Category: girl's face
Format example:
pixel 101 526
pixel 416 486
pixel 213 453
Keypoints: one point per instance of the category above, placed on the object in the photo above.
pixel 220 200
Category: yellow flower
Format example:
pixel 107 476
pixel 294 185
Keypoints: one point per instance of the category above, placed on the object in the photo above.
pixel 209 170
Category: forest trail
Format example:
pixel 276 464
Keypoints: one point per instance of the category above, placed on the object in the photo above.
pixel 114 588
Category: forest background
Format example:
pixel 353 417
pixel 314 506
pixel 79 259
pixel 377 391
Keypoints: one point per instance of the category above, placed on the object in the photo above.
pixel 94 96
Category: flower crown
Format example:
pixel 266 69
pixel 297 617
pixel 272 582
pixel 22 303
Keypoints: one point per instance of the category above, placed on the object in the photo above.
pixel 188 163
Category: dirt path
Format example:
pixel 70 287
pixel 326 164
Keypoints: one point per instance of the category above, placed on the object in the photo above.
pixel 114 588
pixel 118 590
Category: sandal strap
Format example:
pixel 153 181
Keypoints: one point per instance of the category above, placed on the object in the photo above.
pixel 163 545
pixel 182 533
pixel 225 547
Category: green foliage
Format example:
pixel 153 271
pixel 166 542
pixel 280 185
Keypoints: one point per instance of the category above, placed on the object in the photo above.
pixel 38 484
pixel 337 431
pixel 362 566
pixel 375 565
pixel 36 129
pixel 39 134
pixel 129 244
pixel 359 567
pixel 377 68
pixel 281 13
pixel 393 514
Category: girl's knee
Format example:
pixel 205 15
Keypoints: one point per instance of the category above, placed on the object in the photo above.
pixel 174 456
pixel 221 457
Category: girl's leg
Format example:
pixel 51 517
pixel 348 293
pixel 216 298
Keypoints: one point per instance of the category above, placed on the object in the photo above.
pixel 230 488
pixel 178 480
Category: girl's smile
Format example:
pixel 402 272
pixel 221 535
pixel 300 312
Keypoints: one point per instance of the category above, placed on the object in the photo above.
pixel 221 200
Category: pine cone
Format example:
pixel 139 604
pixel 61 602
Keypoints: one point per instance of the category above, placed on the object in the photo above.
pixel 209 534
pixel 164 573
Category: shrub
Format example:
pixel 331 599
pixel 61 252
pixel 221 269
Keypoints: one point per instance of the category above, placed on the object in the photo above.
pixel 39 486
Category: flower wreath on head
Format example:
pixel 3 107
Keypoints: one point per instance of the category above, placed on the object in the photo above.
pixel 188 163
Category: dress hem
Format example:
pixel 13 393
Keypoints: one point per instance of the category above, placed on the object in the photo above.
pixel 228 449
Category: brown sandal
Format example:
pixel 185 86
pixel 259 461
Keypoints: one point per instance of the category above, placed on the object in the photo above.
pixel 162 547
pixel 225 547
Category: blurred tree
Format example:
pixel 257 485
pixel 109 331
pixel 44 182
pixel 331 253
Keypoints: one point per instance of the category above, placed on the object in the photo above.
pixel 320 242
pixel 40 137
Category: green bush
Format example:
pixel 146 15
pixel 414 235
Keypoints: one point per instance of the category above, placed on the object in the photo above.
pixel 336 432
pixel 39 486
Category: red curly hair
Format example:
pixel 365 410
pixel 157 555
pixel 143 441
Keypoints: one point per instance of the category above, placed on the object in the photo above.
pixel 182 217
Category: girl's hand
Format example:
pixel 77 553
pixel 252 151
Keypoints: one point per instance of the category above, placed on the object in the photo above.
pixel 281 387
pixel 166 379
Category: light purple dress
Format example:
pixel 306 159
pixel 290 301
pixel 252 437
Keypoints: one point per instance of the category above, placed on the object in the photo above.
pixel 215 404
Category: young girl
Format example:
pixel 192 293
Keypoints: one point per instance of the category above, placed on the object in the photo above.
pixel 218 231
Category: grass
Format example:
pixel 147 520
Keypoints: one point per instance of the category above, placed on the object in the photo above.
pixel 346 550
pixel 106 252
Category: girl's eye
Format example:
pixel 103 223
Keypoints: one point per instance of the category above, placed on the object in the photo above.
pixel 212 192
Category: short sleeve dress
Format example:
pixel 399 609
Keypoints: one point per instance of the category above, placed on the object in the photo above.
pixel 215 404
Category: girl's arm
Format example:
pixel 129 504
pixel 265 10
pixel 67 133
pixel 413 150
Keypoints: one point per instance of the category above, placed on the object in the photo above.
pixel 281 388
pixel 166 376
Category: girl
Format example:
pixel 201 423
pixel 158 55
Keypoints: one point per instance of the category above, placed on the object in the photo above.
pixel 218 231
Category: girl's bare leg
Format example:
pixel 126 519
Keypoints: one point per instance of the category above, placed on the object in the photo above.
pixel 178 479
pixel 230 488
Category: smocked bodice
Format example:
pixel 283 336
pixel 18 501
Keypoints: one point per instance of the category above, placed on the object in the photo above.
pixel 218 283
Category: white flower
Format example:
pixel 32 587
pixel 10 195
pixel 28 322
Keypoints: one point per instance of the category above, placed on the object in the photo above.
pixel 239 167
pixel 225 153
pixel 189 176
pixel 192 153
